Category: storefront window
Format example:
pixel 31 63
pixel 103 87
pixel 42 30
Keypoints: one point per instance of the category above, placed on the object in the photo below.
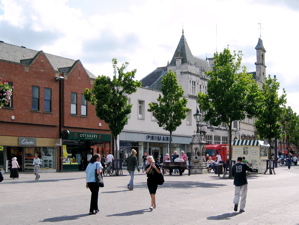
pixel 46 155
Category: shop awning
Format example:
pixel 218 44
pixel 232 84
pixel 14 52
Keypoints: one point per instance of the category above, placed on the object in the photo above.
pixel 248 142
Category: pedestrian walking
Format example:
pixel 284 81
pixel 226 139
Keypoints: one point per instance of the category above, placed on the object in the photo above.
pixel 36 163
pixel 144 161
pixel 93 167
pixel 131 166
pixel 240 182
pixel 152 170
pixel 289 160
pixel 295 159
pixel 14 173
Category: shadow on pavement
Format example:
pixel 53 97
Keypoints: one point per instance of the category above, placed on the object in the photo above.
pixel 64 218
pixel 225 216
pixel 39 181
pixel 185 184
pixel 130 213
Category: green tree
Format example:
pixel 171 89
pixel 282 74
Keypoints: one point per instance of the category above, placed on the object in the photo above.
pixel 271 111
pixel 110 98
pixel 232 94
pixel 290 125
pixel 171 108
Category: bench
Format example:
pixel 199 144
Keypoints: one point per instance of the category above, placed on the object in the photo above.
pixel 181 166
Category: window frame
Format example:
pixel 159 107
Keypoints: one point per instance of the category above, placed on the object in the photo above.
pixel 83 105
pixel 49 101
pixel 74 103
pixel 35 100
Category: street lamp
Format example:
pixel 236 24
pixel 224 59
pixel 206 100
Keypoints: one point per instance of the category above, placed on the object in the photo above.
pixel 198 143
pixel 198 117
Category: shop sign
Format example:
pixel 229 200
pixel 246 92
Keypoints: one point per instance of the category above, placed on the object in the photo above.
pixel 1 148
pixel 88 136
pixel 26 141
pixel 157 138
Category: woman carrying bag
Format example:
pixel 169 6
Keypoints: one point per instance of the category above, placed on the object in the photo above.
pixel 93 167
pixel 152 170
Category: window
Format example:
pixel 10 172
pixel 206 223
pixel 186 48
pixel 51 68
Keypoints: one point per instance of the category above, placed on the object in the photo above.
pixel 10 104
pixel 83 106
pixel 48 100
pixel 224 140
pixel 140 109
pixel 209 139
pixel 35 98
pixel 217 139
pixel 193 87
pixel 74 103
pixel 189 118
pixel 235 124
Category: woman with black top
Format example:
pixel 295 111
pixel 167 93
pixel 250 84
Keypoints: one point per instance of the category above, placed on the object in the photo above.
pixel 152 170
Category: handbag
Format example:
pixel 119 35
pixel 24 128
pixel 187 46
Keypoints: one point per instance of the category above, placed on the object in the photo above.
pixel 160 179
pixel 99 179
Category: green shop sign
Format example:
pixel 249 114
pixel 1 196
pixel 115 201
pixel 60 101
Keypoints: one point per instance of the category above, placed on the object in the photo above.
pixel 88 136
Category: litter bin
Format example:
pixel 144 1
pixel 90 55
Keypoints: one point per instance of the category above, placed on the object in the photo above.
pixel 219 169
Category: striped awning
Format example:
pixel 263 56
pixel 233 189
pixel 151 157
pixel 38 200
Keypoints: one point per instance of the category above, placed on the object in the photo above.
pixel 248 142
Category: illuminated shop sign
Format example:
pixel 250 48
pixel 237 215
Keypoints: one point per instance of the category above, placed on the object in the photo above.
pixel 157 138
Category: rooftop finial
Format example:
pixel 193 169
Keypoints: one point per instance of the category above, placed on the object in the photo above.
pixel 260 24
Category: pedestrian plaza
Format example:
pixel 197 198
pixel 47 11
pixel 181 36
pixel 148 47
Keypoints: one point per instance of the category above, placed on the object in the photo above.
pixel 62 198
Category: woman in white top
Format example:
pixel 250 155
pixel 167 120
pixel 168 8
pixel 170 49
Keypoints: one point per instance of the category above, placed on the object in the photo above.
pixel 14 168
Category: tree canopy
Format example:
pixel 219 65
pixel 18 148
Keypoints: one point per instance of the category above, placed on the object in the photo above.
pixel 271 111
pixel 171 108
pixel 110 97
pixel 232 93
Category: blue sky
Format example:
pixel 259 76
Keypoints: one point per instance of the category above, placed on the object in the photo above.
pixel 145 33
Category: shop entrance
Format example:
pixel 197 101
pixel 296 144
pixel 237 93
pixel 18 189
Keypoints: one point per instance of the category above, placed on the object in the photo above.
pixel 14 152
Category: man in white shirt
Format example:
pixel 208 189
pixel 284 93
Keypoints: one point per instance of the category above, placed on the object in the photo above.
pixel 218 158
pixel 109 158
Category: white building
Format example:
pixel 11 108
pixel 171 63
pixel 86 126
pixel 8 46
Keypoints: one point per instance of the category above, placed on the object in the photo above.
pixel 142 131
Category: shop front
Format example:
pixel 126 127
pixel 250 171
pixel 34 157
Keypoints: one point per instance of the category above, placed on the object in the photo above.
pixel 153 144
pixel 24 148
pixel 78 148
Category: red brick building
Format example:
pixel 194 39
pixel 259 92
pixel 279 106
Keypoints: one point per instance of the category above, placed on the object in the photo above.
pixel 48 113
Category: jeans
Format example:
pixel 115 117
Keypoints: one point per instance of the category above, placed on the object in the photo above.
pixel 131 183
pixel 36 170
pixel 240 192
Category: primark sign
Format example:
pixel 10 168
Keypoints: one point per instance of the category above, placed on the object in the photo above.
pixel 157 138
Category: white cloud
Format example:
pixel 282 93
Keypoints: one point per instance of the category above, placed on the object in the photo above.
pixel 13 13
pixel 146 32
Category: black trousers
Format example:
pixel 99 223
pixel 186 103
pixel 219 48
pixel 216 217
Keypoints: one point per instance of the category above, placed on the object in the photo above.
pixel 94 189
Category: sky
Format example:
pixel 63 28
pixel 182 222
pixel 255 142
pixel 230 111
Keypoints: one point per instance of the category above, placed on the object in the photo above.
pixel 145 33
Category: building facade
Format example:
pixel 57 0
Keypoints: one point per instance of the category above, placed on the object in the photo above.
pixel 48 113
pixel 142 131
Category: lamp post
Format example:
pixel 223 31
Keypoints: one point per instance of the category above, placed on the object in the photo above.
pixel 198 164
pixel 61 116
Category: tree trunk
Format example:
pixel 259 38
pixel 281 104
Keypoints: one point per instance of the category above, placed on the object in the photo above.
pixel 170 140
pixel 115 148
